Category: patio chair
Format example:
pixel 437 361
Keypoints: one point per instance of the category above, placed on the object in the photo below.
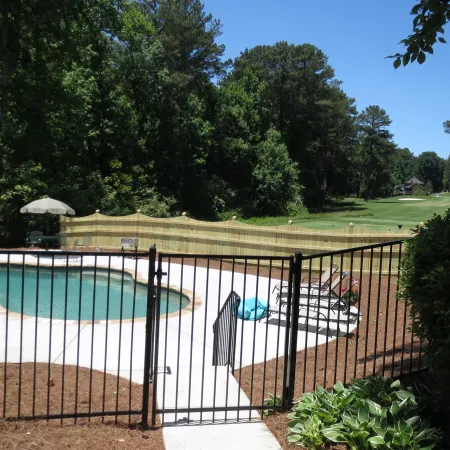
pixel 322 298
pixel 335 302
pixel 86 240
pixel 320 283
pixel 330 303
pixel 323 281
pixel 309 291
pixel 74 249
pixel 62 239
pixel 34 237
pixel 328 306
pixel 312 315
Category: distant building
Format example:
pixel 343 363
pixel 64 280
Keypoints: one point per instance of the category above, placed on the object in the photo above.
pixel 411 184
pixel 408 187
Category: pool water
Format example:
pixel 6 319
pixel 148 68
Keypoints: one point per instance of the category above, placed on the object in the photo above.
pixel 112 302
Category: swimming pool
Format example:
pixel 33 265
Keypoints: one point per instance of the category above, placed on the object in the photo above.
pixel 70 294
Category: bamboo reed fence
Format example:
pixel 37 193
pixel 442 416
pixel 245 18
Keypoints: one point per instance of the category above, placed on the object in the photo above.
pixel 188 236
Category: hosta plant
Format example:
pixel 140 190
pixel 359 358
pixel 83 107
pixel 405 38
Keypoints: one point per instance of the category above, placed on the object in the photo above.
pixel 271 400
pixel 372 413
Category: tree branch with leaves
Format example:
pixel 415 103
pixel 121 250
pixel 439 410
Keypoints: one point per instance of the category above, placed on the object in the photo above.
pixel 428 28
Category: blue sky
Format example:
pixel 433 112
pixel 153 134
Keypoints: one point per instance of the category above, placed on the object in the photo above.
pixel 356 35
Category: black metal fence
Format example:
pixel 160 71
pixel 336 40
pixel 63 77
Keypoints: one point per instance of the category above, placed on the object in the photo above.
pixel 68 323
pixel 209 339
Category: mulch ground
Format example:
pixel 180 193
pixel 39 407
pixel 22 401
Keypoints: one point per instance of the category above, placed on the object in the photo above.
pixel 381 345
pixel 42 393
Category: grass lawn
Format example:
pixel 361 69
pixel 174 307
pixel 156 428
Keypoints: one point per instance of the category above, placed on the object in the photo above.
pixel 381 215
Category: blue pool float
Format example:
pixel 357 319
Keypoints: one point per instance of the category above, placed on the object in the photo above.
pixel 253 308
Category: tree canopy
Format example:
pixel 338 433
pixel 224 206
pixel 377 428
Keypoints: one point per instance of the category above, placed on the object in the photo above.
pixel 128 104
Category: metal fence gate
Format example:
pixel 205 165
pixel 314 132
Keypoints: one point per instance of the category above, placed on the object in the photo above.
pixel 233 336
pixel 204 355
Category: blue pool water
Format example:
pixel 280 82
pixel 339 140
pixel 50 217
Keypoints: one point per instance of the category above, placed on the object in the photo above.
pixel 110 297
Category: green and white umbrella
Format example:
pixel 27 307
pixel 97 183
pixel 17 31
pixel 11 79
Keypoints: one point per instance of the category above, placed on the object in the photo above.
pixel 47 205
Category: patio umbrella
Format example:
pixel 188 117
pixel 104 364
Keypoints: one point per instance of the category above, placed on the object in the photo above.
pixel 47 206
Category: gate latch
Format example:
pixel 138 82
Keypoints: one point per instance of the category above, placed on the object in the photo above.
pixel 159 273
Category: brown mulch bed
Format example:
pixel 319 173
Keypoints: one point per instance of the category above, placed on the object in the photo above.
pixel 372 349
pixel 108 432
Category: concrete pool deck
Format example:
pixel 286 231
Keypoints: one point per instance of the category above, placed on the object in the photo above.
pixel 259 341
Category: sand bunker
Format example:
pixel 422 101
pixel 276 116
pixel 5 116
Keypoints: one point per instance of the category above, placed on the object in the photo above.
pixel 407 199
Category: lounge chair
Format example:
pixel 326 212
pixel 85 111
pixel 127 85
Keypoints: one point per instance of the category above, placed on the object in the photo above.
pixel 332 299
pixel 329 306
pixel 313 292
pixel 318 283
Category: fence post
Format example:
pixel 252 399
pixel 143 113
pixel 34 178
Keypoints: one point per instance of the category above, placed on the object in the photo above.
pixel 291 356
pixel 155 337
pixel 148 354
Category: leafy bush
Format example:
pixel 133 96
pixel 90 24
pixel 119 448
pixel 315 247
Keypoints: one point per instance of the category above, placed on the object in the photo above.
pixel 275 186
pixel 425 286
pixel 227 215
pixel 374 412
pixel 272 400
pixel 425 189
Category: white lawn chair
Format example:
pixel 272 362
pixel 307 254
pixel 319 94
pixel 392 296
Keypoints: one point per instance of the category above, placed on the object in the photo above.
pixel 317 283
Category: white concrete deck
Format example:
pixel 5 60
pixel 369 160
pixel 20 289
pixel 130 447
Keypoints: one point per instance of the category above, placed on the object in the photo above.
pixel 189 358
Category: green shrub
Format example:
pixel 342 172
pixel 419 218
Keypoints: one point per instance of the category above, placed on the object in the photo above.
pixel 271 400
pixel 275 185
pixel 425 189
pixel 374 412
pixel 227 215
pixel 425 286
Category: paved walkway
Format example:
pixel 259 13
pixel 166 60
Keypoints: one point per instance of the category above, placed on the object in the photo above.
pixel 192 380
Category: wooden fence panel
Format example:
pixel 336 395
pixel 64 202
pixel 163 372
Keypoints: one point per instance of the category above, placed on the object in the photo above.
pixel 185 235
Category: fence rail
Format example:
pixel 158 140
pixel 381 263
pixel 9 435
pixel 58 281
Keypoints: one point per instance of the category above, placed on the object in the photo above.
pixel 84 336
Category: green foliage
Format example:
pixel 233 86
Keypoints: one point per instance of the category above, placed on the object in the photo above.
pixel 430 17
pixel 306 105
pixel 423 190
pixel 431 168
pixel 376 151
pixel 374 412
pixel 126 104
pixel 447 126
pixel 403 166
pixel 425 287
pixel 272 401
pixel 275 177
pixel 446 179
